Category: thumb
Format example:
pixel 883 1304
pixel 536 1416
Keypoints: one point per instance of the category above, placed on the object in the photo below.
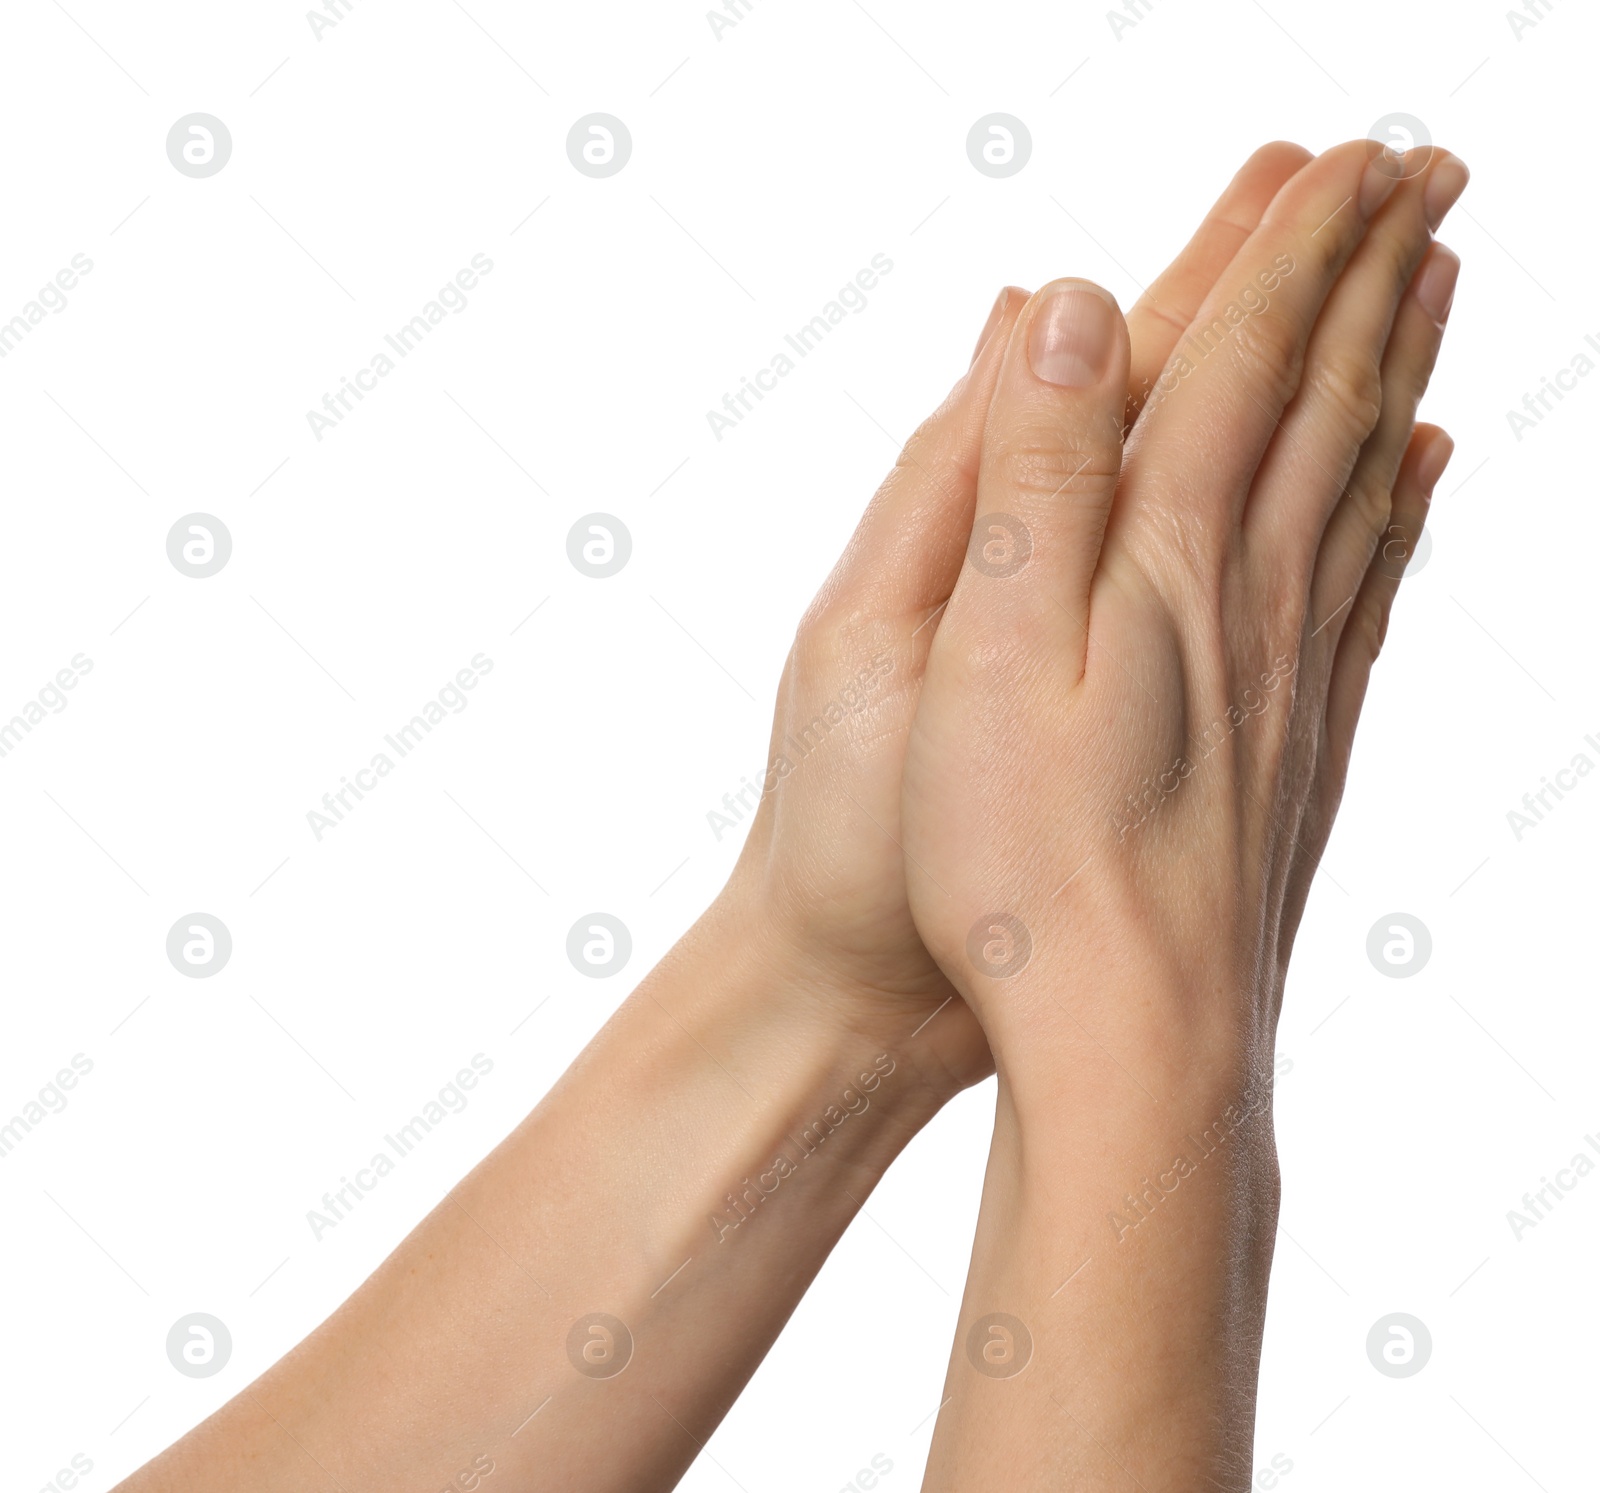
pixel 1052 454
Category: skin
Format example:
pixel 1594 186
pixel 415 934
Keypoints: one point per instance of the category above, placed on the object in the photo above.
pixel 1125 763
pixel 821 1012
pixel 826 849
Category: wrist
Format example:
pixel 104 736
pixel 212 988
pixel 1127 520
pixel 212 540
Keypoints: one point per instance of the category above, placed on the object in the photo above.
pixel 1107 1024
pixel 1133 1142
pixel 1105 1147
pixel 1137 1284
pixel 861 1004
pixel 798 1063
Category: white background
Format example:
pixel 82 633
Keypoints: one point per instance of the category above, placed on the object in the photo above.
pixel 768 167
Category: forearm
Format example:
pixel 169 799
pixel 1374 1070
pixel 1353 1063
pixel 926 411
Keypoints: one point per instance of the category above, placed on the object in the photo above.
pixel 1130 1233
pixel 686 1178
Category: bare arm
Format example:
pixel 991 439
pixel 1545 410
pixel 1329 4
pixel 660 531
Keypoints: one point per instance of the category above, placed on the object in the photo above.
pixel 584 1307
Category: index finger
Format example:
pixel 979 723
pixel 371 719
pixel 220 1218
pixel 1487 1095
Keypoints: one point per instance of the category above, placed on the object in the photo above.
pixel 1172 301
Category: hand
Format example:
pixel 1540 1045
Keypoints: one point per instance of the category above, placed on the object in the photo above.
pixel 1138 707
pixel 1134 725
pixel 822 869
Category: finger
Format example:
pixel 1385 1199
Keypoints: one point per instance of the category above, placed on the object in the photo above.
pixel 1218 402
pixel 1005 308
pixel 1343 392
pixel 1163 313
pixel 906 552
pixel 1363 513
pixel 1052 451
pixel 1425 460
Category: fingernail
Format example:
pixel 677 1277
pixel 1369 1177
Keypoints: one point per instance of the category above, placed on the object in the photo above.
pixel 1072 338
pixel 1381 178
pixel 1445 185
pixel 989 326
pixel 1433 461
pixel 1436 282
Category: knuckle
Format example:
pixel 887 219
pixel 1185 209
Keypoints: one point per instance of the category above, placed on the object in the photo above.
pixel 1396 545
pixel 1331 244
pixel 1148 306
pixel 1373 620
pixel 839 629
pixel 817 634
pixel 922 474
pixel 1408 381
pixel 1273 354
pixel 1372 502
pixel 1349 387
pixel 988 657
pixel 1401 249
pixel 915 453
pixel 1038 463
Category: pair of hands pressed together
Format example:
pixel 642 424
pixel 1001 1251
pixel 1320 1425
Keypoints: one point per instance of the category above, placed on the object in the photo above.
pixel 1132 577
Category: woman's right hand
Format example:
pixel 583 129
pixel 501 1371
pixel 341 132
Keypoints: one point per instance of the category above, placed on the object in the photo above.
pixel 1139 704
pixel 1132 735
